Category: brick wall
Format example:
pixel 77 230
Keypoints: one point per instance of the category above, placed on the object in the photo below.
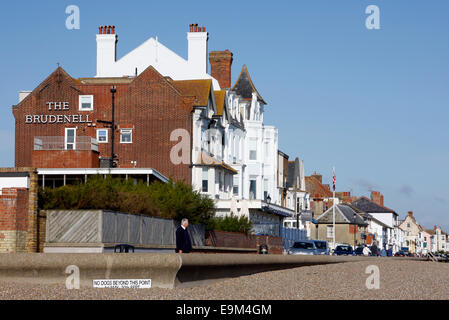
pixel 66 159
pixel 149 104
pixel 221 64
pixel 13 220
pixel 239 240
pixel 42 224
pixel 18 215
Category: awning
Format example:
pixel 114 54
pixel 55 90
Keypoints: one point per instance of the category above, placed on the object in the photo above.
pixel 280 211
pixel 206 160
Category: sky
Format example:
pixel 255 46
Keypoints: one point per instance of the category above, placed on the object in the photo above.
pixel 372 103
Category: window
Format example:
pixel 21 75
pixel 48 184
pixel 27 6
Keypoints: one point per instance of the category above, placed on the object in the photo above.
pixel 70 139
pixel 252 149
pixel 102 135
pixel 220 181
pixel 205 187
pixel 126 136
pixel 252 189
pixel 236 185
pixel 265 188
pixel 86 103
pixel 330 231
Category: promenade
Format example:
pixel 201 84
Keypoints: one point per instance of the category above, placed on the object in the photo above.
pixel 399 280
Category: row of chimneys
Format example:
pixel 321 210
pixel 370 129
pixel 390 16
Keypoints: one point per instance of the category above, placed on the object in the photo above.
pixel 194 28
pixel 107 29
pixel 220 61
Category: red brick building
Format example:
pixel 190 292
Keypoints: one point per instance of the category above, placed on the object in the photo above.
pixel 57 124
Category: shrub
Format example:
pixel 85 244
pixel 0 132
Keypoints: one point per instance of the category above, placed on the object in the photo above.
pixel 230 223
pixel 165 200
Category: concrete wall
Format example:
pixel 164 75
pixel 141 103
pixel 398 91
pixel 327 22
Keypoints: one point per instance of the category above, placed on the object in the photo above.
pixel 239 240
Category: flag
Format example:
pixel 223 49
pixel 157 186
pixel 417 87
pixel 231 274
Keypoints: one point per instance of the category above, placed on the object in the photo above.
pixel 333 179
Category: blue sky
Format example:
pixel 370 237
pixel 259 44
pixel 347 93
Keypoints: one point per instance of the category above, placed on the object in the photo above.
pixel 373 103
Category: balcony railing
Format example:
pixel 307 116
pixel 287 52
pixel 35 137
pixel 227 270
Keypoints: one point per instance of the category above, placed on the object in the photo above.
pixel 59 143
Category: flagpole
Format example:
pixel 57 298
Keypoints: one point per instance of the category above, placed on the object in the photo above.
pixel 333 210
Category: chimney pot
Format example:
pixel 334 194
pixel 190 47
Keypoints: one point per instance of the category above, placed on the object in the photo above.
pixel 113 29
pixel 191 27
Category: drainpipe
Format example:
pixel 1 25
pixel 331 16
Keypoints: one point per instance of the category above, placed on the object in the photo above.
pixel 113 91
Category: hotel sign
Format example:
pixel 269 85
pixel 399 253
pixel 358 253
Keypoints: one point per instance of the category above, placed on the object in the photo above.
pixel 57 118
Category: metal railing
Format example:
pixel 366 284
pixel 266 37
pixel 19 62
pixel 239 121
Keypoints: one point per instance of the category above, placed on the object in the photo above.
pixel 59 143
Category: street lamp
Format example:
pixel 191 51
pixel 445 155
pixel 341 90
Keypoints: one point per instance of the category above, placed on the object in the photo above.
pixel 268 199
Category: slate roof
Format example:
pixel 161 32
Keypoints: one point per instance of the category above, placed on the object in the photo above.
pixel 245 86
pixel 366 205
pixel 200 89
pixel 344 214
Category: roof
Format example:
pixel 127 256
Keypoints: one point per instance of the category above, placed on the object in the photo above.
pixel 200 89
pixel 220 101
pixel 122 80
pixel 206 160
pixel 245 86
pixel 366 205
pixel 293 169
pixel 317 189
pixel 344 214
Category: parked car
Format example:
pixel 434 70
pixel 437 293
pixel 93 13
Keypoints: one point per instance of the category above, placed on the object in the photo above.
pixel 344 250
pixel 322 247
pixel 359 251
pixel 304 247
pixel 401 253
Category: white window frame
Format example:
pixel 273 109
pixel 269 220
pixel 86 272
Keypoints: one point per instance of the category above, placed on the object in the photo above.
pixel 74 139
pixel 121 136
pixel 80 108
pixel 253 143
pixel 330 232
pixel 107 135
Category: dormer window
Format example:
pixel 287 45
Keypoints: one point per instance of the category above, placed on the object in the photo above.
pixel 86 103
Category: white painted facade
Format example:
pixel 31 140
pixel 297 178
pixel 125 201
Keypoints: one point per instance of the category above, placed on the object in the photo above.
pixel 14 182
pixel 153 53
pixel 392 231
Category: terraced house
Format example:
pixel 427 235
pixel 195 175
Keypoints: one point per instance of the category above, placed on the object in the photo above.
pixel 153 115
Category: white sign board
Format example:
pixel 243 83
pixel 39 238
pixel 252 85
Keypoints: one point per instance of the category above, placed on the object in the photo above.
pixel 123 284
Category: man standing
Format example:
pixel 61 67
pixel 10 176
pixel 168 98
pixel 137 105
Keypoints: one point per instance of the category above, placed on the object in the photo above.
pixel 374 249
pixel 183 242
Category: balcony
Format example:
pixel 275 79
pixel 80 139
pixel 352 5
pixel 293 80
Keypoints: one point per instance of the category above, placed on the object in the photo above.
pixel 59 143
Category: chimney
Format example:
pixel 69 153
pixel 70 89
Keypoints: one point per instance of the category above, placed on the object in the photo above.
pixel 377 198
pixel 220 67
pixel 198 48
pixel 317 176
pixel 410 213
pixel 106 50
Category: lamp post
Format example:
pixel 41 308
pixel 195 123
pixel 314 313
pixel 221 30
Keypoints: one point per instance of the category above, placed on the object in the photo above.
pixel 112 126
pixel 355 226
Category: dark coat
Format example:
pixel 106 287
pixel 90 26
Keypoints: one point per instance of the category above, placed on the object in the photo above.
pixel 183 241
